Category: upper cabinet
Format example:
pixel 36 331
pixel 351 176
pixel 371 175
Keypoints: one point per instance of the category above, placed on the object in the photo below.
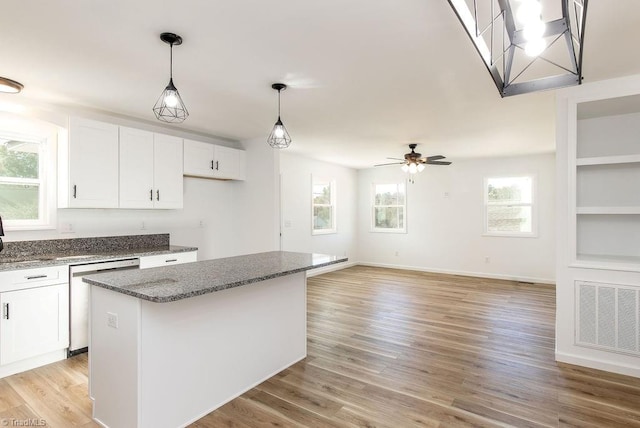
pixel 212 161
pixel 150 170
pixel 88 165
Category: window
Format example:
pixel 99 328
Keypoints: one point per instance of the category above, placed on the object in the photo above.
pixel 509 209
pixel 23 193
pixel 389 208
pixel 323 206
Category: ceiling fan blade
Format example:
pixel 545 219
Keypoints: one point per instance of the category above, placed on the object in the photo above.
pixel 385 164
pixel 436 157
pixel 438 163
pixel 396 159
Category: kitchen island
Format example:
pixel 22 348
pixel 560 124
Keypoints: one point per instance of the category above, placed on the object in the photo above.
pixel 171 344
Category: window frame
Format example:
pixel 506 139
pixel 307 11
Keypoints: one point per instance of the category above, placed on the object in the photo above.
pixel 333 205
pixel 372 201
pixel 533 205
pixel 46 182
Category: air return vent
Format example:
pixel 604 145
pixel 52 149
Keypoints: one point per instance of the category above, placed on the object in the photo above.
pixel 608 316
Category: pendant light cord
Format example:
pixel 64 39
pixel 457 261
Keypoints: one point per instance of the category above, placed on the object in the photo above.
pixel 171 61
pixel 278 104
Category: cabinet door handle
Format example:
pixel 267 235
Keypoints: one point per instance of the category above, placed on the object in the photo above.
pixel 212 165
pixel 151 195
pixel 75 191
pixel 217 164
pixel 157 195
pixel 36 277
pixel 5 311
pixel 171 260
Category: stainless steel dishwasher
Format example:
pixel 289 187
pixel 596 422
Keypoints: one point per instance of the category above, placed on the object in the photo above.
pixel 79 299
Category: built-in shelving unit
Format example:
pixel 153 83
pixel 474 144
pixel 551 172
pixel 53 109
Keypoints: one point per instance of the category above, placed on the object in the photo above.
pixel 598 215
pixel 607 188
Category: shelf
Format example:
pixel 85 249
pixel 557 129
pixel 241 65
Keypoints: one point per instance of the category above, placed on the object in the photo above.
pixel 608 210
pixel 610 262
pixel 608 160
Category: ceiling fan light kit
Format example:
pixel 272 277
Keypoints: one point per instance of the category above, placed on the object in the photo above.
pixel 414 163
pixel 9 86
pixel 279 137
pixel 170 107
pixel 522 52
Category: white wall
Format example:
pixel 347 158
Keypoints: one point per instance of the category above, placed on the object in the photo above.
pixel 257 212
pixel 296 172
pixel 221 218
pixel 445 221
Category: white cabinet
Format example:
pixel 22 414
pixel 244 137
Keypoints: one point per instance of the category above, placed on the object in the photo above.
pixel 34 328
pixel 150 170
pixel 88 165
pixel 168 259
pixel 213 161
pixel 35 321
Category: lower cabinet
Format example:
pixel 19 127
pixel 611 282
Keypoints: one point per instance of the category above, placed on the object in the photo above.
pixel 34 327
pixel 35 321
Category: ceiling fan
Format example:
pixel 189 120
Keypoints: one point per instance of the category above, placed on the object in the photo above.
pixel 414 162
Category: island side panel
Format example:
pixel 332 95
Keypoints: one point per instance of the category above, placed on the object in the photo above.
pixel 114 358
pixel 201 352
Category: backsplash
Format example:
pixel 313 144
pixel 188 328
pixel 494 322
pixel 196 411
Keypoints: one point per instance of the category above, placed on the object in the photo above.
pixel 98 245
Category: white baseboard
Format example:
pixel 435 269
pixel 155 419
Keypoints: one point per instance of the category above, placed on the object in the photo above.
pixel 330 268
pixel 462 273
pixel 598 364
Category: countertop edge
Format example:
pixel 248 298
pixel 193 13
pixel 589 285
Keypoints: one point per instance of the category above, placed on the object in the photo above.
pixel 126 254
pixel 213 289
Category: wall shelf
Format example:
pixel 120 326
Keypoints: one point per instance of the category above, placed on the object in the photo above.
pixel 608 160
pixel 608 210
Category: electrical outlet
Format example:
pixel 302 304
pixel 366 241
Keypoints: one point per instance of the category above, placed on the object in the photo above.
pixel 487 259
pixel 201 224
pixel 143 226
pixel 112 320
pixel 66 228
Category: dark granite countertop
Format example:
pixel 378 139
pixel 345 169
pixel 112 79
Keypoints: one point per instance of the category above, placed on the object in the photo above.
pixel 171 283
pixel 55 254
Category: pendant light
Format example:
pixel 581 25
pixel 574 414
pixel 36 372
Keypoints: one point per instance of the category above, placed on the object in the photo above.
pixel 170 107
pixel 10 86
pixel 279 137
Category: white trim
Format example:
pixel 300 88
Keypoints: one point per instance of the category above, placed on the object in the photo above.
pixel 46 182
pixel 333 206
pixel 463 273
pixel 598 364
pixel 372 200
pixel 533 205
pixel 330 268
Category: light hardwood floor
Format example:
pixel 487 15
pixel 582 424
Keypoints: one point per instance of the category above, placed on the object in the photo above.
pixel 392 348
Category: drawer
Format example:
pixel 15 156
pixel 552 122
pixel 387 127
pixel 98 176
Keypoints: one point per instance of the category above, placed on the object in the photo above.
pixel 168 259
pixel 33 277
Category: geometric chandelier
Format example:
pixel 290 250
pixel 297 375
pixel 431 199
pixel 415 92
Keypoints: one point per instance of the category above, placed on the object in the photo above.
pixel 525 45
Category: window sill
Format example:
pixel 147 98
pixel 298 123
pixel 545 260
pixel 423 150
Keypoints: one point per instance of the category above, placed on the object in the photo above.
pixel 510 235
pixel 397 231
pixel 27 228
pixel 324 232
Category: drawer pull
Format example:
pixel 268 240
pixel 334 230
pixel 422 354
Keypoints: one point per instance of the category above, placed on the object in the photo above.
pixel 5 315
pixel 37 277
pixel 171 260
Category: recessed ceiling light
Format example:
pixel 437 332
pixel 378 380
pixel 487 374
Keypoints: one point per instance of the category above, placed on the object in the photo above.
pixel 10 86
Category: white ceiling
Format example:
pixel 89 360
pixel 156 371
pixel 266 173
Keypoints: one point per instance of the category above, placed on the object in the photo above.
pixel 367 77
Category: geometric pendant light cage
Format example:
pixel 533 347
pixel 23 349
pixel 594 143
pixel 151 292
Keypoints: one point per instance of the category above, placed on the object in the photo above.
pixel 279 137
pixel 170 107
pixel 501 31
